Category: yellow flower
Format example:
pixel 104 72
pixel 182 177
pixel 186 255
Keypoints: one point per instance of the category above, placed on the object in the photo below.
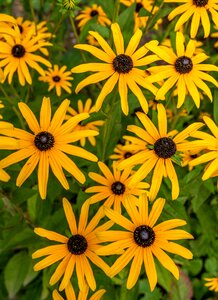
pixel 70 294
pixel 121 68
pixel 209 142
pixel 198 10
pixel 40 30
pixel 92 41
pixel 90 12
pixel 183 70
pixel 123 151
pixel 212 284
pixel 6 23
pixel 47 145
pixel 188 156
pixel 16 54
pixel 146 4
pixel 6 143
pixel 93 125
pixel 162 149
pixel 114 187
pixel 58 78
pixel 74 251
pixel 142 240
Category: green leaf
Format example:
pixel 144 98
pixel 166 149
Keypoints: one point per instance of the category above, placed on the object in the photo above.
pixel 164 277
pixel 194 266
pixel 211 265
pixel 207 220
pixel 15 272
pixel 200 197
pixel 144 13
pixel 102 30
pixel 181 289
pixel 126 18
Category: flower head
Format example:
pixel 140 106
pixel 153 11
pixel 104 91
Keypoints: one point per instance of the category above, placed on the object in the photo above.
pixel 114 187
pixel 212 284
pixel 141 22
pixel 6 143
pixel 17 54
pixel 183 70
pixel 47 145
pixel 121 68
pixel 89 13
pixel 93 125
pixel 74 251
pixel 58 78
pixel 210 143
pixel 162 148
pixel 198 10
pixel 123 151
pixel 142 240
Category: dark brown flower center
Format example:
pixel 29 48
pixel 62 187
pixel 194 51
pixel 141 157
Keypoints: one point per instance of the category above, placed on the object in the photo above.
pixel 144 236
pixel 118 188
pixel 94 13
pixel 138 7
pixel 18 51
pixel 165 147
pixel 44 141
pixel 194 156
pixel 127 154
pixel 77 244
pixel 56 78
pixel 122 63
pixel 183 64
pixel 200 3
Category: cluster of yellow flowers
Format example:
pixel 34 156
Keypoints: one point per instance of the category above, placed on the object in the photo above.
pixel 152 149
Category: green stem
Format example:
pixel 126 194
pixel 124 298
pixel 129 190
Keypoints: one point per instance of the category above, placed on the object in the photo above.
pixel 76 36
pixel 123 292
pixel 151 16
pixel 18 114
pixel 58 25
pixel 116 11
pixel 108 125
pixel 14 91
pixel 33 13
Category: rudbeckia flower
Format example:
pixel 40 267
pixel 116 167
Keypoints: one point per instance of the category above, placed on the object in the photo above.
pixel 17 53
pixel 114 186
pixel 58 78
pixel 6 143
pixel 123 151
pixel 47 145
pixel 6 23
pixel 40 30
pixel 212 284
pixel 75 250
pixel 70 294
pixel 141 22
pixel 183 70
pixel 89 13
pixel 198 10
pixel 93 125
pixel 121 68
pixel 142 240
pixel 161 151
pixel 210 143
